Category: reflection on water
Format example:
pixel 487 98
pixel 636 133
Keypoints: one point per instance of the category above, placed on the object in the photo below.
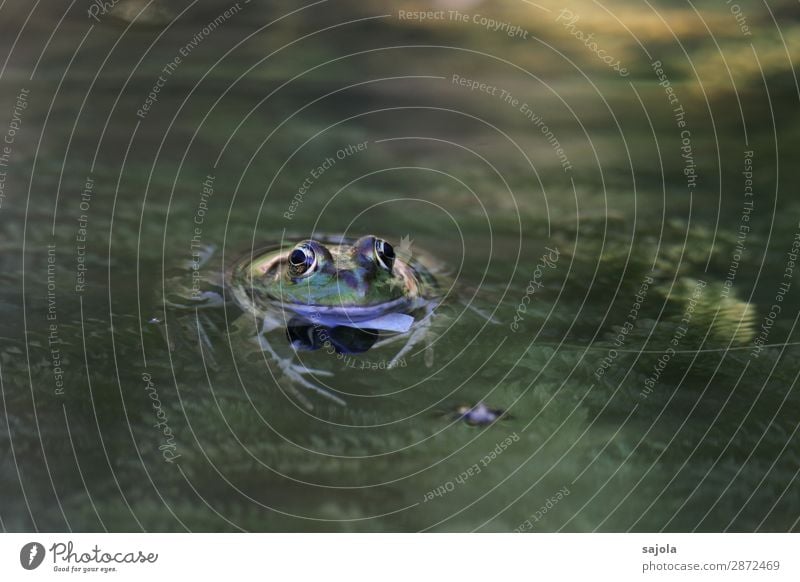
pixel 340 339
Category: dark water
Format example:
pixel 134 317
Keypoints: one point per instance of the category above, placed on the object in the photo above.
pixel 617 229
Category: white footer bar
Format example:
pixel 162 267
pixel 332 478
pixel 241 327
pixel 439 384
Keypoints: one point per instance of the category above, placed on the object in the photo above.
pixel 400 557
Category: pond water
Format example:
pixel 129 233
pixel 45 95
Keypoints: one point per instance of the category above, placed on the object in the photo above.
pixel 631 236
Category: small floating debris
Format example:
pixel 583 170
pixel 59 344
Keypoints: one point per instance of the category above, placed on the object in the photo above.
pixel 480 414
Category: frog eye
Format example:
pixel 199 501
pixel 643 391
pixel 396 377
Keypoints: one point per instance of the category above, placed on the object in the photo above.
pixel 384 254
pixel 302 261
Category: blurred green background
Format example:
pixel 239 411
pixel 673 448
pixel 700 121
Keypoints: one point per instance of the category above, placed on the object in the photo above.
pixel 591 164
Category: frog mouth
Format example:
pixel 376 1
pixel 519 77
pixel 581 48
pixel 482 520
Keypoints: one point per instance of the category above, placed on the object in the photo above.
pixel 389 316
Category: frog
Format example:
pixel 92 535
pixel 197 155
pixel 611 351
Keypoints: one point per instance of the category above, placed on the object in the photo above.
pixel 335 292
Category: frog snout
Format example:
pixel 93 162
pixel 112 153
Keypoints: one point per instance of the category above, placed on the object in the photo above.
pixel 353 282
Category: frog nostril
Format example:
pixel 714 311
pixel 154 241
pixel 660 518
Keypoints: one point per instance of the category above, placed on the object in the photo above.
pixel 346 277
pixel 353 283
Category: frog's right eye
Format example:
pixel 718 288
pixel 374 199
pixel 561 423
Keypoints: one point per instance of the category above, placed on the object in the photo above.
pixel 384 254
pixel 302 261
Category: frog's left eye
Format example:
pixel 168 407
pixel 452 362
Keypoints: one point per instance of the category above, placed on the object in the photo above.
pixel 302 261
pixel 384 253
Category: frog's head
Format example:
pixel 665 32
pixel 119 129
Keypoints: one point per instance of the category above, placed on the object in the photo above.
pixel 364 273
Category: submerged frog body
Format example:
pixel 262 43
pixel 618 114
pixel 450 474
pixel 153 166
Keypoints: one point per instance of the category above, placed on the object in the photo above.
pixel 346 294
